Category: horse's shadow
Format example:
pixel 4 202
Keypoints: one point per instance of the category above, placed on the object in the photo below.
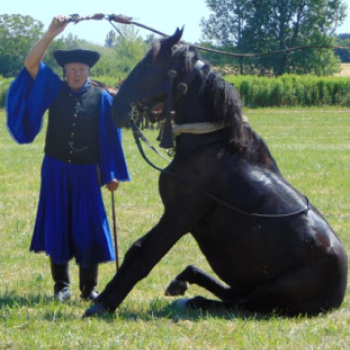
pixel 157 309
pixel 172 311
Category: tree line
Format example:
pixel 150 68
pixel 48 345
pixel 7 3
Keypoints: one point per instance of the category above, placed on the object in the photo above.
pixel 258 26
pixel 19 33
pixel 239 26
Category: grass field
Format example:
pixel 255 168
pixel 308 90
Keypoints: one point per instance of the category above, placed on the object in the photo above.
pixel 312 149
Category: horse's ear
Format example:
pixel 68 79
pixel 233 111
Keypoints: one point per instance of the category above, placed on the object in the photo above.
pixel 174 39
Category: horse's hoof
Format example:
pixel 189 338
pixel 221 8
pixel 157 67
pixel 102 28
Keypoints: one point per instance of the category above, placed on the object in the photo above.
pixel 176 288
pixel 95 310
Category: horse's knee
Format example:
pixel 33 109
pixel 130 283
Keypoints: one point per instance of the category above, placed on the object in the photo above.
pixel 180 284
pixel 189 274
pixel 176 288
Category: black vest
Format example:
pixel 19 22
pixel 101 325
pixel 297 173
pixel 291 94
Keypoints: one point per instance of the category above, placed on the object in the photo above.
pixel 72 131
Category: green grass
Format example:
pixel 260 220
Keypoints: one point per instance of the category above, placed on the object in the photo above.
pixel 312 149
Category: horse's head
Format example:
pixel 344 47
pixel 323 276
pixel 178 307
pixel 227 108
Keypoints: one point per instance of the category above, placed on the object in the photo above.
pixel 164 75
pixel 148 83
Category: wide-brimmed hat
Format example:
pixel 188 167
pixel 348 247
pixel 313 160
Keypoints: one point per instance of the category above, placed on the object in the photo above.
pixel 87 57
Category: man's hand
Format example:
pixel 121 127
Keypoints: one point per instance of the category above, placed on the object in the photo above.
pixel 37 52
pixel 58 24
pixel 113 185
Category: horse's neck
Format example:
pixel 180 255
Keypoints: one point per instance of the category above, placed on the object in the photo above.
pixel 257 151
pixel 191 109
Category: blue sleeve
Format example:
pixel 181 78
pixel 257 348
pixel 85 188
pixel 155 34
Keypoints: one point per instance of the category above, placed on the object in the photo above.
pixel 112 160
pixel 27 100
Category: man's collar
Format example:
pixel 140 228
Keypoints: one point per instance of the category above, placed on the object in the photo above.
pixel 84 88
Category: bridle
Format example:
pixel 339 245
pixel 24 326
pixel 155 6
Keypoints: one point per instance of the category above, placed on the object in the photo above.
pixel 139 103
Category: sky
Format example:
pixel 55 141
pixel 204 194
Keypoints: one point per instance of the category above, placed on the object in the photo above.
pixel 163 15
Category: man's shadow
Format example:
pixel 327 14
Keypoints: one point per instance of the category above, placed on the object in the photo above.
pixel 10 301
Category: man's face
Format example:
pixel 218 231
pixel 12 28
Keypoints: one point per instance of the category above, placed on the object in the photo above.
pixel 76 75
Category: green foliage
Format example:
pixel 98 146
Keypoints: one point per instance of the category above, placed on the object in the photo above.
pixel 129 50
pixel 17 35
pixel 292 90
pixel 261 26
pixel 4 85
pixel 218 60
pixel 344 41
pixel 111 38
pixel 118 57
pixel 287 90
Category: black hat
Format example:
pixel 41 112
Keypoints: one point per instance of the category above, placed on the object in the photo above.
pixel 88 57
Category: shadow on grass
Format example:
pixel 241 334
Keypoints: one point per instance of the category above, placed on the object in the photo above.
pixel 47 307
pixel 172 311
pixel 158 309
pixel 12 300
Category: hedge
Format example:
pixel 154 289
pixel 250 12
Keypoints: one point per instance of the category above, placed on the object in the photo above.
pixel 287 90
pixel 4 85
pixel 292 90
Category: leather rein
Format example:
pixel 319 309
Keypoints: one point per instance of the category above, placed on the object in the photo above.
pixel 139 103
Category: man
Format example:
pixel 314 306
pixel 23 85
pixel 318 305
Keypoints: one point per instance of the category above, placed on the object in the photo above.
pixel 83 151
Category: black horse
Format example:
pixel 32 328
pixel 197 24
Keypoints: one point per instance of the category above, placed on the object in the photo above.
pixel 262 237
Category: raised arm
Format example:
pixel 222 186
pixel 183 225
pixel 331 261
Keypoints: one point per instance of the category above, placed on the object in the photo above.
pixel 37 52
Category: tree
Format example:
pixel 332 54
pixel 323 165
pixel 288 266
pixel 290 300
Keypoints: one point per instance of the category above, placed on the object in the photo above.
pixel 17 35
pixel 150 38
pixel 266 25
pixel 129 49
pixel 224 27
pixel 343 40
pixel 111 39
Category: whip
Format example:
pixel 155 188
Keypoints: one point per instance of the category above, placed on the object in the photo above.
pixel 122 19
pixel 115 232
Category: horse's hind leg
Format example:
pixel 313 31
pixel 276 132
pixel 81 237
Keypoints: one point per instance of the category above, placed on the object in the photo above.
pixel 194 275
pixel 310 290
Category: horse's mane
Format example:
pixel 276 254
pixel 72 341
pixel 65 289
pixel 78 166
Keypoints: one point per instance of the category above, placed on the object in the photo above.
pixel 224 105
pixel 222 99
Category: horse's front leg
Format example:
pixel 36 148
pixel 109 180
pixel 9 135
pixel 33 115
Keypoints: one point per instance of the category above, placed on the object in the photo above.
pixel 139 260
pixel 194 275
pixel 184 208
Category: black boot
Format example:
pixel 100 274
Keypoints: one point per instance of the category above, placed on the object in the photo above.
pixel 60 275
pixel 88 281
